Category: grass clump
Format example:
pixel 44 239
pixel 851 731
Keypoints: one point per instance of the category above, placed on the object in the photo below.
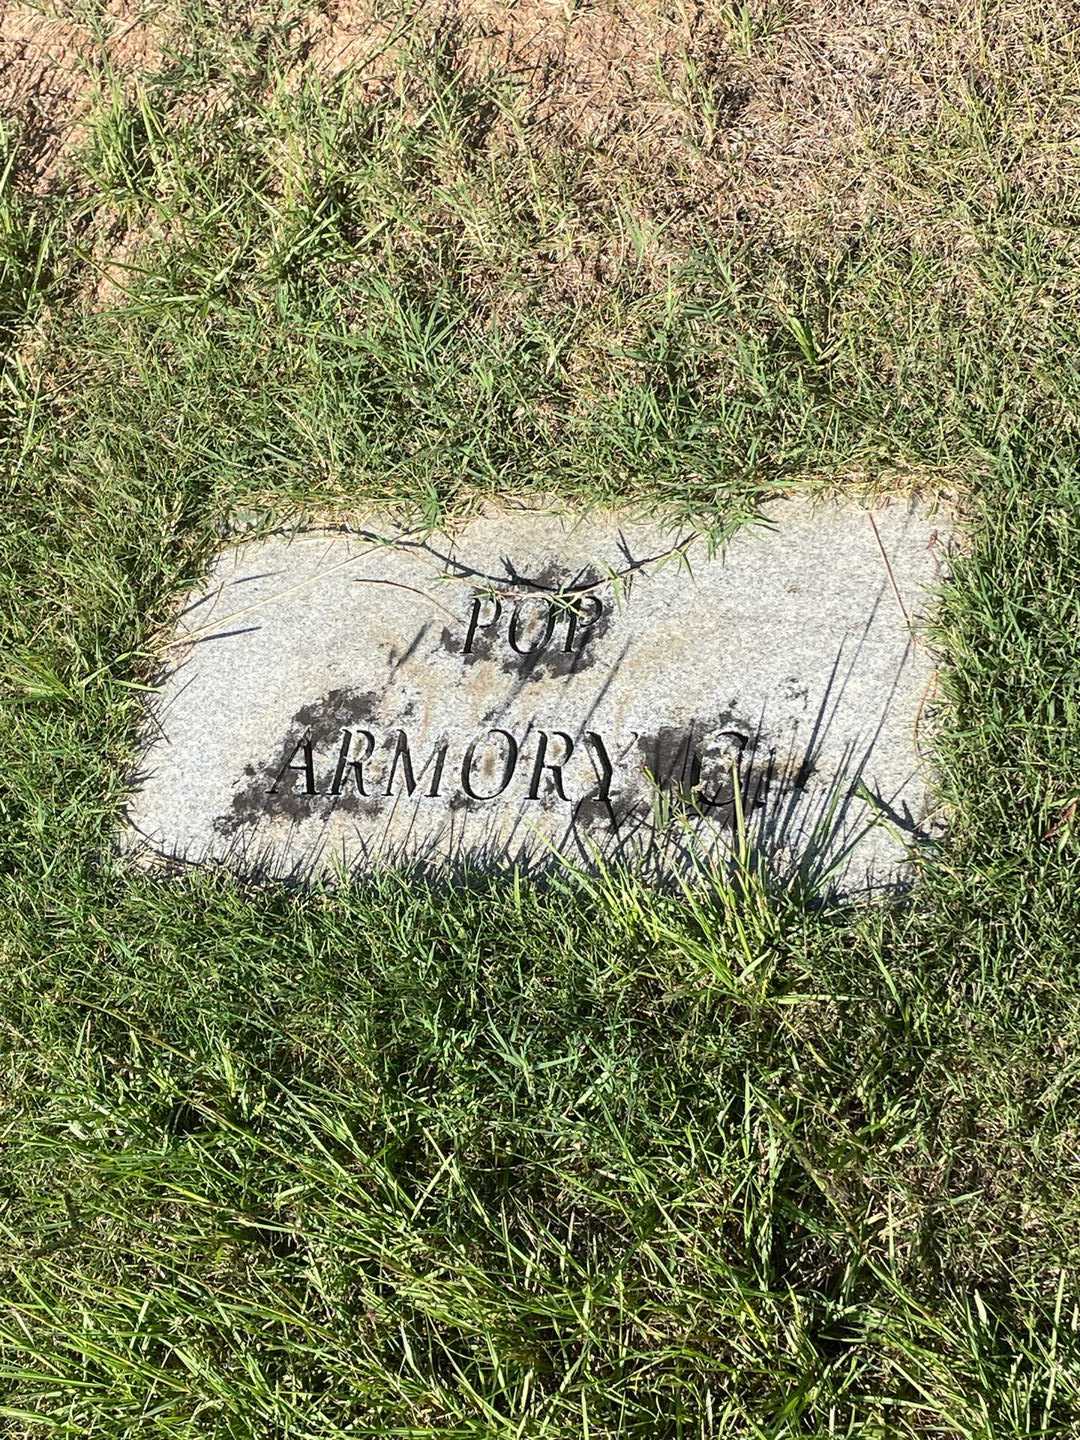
pixel 396 1161
pixel 400 1159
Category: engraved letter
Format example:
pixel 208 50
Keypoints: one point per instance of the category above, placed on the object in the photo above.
pixel 545 639
pixel 509 766
pixel 307 766
pixel 474 622
pixel 543 764
pixel 355 765
pixel 598 752
pixel 402 754
pixel 577 620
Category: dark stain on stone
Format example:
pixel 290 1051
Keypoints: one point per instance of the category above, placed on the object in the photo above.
pixel 555 662
pixel 605 817
pixel 482 648
pixel 582 592
pixel 576 591
pixel 338 710
pixel 693 769
pixel 322 722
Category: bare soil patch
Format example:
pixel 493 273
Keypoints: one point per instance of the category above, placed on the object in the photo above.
pixel 51 65
pixel 748 110
pixel 796 117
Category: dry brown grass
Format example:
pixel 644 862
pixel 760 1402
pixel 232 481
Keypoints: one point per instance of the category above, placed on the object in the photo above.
pixel 797 115
pixel 50 63
pixel 636 131
pixel 800 117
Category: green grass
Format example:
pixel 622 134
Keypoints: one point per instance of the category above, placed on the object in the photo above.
pixel 404 1159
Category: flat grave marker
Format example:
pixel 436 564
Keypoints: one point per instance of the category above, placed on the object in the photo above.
pixel 539 685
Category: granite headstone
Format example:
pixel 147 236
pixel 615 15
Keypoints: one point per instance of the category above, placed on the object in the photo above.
pixel 535 685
